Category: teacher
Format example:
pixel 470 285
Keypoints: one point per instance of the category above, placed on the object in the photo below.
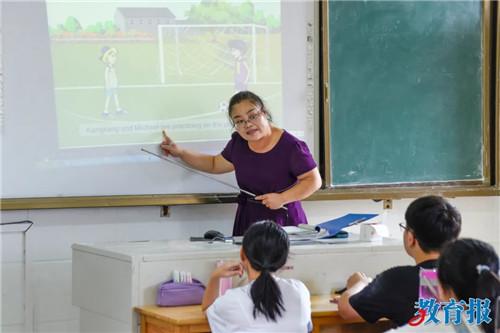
pixel 267 161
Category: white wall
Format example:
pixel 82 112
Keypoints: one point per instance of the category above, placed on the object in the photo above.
pixel 48 246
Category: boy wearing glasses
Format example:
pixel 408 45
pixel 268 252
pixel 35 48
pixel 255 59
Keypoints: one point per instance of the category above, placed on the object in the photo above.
pixel 431 223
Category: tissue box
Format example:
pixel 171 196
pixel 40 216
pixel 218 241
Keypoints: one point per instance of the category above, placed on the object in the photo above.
pixel 373 232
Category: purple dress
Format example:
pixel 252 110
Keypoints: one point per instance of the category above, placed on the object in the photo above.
pixel 271 172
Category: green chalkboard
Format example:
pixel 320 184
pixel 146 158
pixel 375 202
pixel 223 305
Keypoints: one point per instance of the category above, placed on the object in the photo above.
pixel 406 96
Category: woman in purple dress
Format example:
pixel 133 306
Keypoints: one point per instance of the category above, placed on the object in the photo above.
pixel 267 161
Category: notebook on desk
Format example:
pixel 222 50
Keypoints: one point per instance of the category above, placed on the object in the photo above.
pixel 332 227
pixel 326 230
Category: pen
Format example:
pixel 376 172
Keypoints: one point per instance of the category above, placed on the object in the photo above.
pixel 340 291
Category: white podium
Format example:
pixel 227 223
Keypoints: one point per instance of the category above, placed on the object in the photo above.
pixel 110 279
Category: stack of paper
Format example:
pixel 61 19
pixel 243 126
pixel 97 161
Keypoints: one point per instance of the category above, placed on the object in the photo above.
pixel 303 233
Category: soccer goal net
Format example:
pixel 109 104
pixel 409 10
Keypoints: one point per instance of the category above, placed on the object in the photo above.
pixel 209 53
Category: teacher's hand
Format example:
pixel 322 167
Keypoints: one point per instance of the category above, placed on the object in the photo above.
pixel 271 200
pixel 169 147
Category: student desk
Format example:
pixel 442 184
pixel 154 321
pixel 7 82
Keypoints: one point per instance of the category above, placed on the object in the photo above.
pixel 111 279
pixel 325 318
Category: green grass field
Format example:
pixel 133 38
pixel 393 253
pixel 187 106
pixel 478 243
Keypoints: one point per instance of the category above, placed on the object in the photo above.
pixel 78 64
pixel 189 107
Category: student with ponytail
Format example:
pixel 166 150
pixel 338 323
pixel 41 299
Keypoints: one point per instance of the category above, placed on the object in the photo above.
pixel 268 303
pixel 468 268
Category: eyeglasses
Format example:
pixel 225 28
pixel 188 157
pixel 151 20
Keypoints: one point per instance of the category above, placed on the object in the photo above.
pixel 252 118
pixel 403 227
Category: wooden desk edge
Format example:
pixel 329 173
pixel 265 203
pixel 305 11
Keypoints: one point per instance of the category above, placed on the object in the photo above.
pixel 153 311
pixel 327 311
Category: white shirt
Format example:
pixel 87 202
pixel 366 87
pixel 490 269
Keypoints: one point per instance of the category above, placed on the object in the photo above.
pixel 233 312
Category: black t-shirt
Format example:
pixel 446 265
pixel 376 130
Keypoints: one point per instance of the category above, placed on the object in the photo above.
pixel 392 294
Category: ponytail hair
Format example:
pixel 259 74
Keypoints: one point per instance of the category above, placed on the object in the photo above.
pixel 266 246
pixel 469 268
pixel 488 287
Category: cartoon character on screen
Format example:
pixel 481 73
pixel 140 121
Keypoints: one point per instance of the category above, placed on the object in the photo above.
pixel 241 73
pixel 108 57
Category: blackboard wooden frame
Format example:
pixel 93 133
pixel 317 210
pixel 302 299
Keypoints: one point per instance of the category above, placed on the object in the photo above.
pixel 487 186
pixel 117 201
pixel 367 192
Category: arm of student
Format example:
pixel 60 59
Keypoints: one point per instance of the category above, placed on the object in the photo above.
pixel 212 290
pixel 355 283
pixel 307 184
pixel 207 163
pixel 346 311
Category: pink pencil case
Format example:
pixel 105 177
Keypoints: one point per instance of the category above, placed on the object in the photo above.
pixel 176 294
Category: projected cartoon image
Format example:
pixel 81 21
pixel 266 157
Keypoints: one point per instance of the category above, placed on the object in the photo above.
pixel 108 57
pixel 238 50
pixel 161 65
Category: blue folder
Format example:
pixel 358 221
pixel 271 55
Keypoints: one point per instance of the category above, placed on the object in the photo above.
pixel 333 227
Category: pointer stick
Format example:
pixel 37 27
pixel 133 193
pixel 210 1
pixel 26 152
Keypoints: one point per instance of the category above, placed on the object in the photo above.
pixel 185 167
